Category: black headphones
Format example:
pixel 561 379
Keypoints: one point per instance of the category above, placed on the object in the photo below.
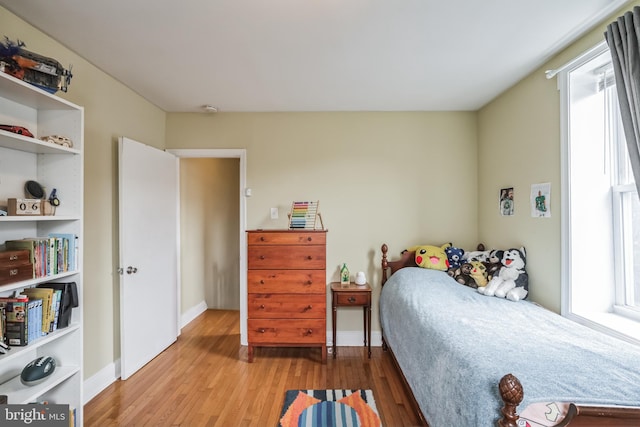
pixel 53 199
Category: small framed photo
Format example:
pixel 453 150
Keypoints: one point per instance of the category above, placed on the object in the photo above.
pixel 506 202
pixel 541 200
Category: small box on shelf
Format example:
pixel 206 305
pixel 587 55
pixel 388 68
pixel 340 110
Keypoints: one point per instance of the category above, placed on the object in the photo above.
pixel 29 207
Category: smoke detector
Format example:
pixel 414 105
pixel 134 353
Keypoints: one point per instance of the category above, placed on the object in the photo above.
pixel 209 109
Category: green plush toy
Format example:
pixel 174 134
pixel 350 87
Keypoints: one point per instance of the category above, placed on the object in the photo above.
pixel 433 257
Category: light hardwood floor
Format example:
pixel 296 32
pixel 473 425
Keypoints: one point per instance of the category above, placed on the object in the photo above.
pixel 204 380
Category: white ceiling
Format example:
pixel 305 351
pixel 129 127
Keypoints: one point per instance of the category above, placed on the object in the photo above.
pixel 315 55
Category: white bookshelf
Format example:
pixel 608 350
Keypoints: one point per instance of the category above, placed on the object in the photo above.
pixel 22 159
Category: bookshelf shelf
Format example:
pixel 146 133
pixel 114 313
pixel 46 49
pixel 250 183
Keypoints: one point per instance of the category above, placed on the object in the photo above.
pixel 52 166
pixel 32 282
pixel 40 218
pixel 31 145
pixel 17 352
pixel 20 393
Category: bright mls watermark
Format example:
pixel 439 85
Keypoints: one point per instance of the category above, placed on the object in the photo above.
pixel 34 415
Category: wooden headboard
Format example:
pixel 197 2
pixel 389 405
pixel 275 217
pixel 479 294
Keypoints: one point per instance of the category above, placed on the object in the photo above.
pixel 407 259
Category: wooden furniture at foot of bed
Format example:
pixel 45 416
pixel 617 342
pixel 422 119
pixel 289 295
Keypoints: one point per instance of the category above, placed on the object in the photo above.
pixel 510 388
pixel 512 393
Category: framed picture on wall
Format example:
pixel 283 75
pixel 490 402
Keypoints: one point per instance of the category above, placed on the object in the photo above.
pixel 541 200
pixel 506 201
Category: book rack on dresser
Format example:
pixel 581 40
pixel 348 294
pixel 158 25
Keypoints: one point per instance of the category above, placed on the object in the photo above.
pixel 286 284
pixel 52 166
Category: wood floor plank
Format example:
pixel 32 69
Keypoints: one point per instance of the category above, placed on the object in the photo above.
pixel 204 379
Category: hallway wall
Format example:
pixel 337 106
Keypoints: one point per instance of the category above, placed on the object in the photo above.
pixel 209 224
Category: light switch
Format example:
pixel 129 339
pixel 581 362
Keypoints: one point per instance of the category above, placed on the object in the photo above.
pixel 274 213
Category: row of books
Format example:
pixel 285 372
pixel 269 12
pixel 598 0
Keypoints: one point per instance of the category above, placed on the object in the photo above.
pixel 50 255
pixel 32 314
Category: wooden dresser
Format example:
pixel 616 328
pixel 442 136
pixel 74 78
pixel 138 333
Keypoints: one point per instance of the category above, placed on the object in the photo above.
pixel 286 284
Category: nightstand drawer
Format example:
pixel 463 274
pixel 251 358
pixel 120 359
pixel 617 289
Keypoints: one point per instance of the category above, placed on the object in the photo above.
pixel 287 306
pixel 286 281
pixel 352 298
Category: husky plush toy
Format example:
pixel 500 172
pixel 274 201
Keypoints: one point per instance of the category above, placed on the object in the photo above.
pixel 512 281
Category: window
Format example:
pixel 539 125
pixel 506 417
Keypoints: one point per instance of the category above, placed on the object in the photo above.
pixel 601 210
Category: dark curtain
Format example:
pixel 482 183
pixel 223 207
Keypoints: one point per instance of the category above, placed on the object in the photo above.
pixel 623 37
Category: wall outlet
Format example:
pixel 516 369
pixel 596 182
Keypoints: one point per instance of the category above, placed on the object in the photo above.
pixel 274 213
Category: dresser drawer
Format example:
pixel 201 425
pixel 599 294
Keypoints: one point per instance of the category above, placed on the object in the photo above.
pixel 348 298
pixel 286 238
pixel 287 257
pixel 287 306
pixel 287 331
pixel 286 281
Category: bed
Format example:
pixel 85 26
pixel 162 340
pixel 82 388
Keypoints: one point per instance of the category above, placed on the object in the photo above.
pixel 473 360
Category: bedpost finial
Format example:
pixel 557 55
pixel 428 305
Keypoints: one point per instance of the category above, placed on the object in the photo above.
pixel 512 394
pixel 385 263
pixel 511 389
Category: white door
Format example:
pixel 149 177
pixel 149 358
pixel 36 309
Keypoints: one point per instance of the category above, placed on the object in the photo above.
pixel 148 188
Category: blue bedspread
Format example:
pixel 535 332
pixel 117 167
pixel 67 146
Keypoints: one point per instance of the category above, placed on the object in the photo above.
pixel 454 345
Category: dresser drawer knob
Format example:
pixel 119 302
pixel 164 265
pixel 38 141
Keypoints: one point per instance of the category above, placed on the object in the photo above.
pixel 309 331
pixel 352 299
pixel 261 330
pixel 13 272
pixel 309 307
pixel 261 306
pixel 262 281
pixel 309 257
pixel 309 239
pixel 261 256
pixel 13 257
pixel 262 238
pixel 309 282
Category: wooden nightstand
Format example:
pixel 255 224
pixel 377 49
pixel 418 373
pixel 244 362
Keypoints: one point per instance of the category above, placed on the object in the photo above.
pixel 352 296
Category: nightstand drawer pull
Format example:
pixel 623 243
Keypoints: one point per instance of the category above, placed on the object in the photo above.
pixel 352 299
pixel 13 272
pixel 261 330
pixel 261 306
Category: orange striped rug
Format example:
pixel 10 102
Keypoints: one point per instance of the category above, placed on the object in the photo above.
pixel 329 408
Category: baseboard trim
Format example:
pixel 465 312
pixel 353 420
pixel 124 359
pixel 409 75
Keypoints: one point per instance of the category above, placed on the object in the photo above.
pixel 195 311
pixel 353 338
pixel 101 380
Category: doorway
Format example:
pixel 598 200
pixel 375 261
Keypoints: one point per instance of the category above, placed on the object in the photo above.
pixel 200 253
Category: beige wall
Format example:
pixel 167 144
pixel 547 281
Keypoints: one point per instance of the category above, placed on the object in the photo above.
pixel 519 145
pixel 399 178
pixel 111 110
pixel 209 229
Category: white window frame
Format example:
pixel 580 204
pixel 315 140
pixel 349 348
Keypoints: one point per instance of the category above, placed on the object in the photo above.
pixel 621 321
